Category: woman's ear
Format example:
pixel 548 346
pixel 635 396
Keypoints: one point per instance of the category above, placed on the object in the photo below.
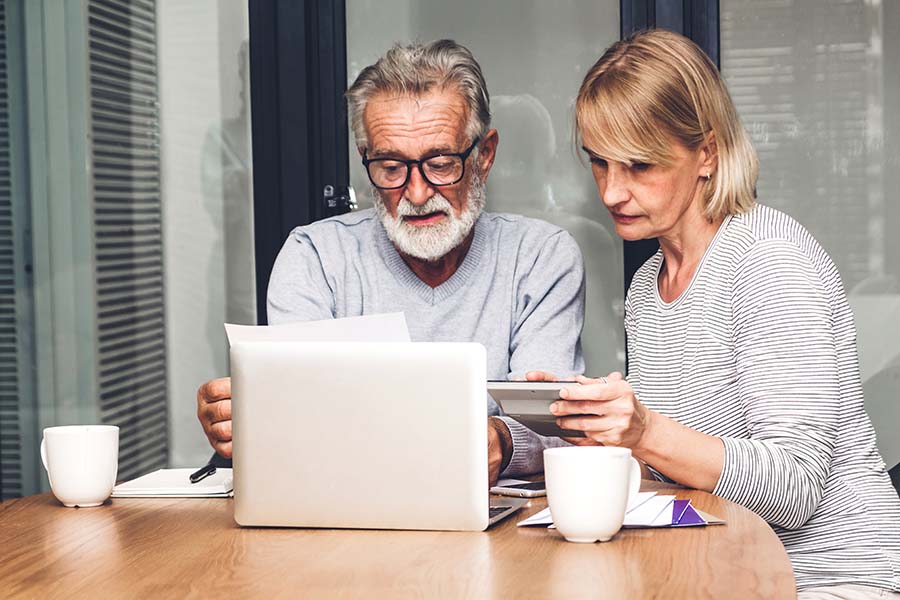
pixel 709 156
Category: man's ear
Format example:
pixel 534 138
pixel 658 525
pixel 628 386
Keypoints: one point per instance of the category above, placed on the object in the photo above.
pixel 361 150
pixel 487 151
pixel 709 155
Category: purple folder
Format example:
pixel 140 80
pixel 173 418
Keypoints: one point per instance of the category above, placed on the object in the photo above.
pixel 684 515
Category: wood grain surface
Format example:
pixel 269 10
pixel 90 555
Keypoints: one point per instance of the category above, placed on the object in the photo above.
pixel 188 547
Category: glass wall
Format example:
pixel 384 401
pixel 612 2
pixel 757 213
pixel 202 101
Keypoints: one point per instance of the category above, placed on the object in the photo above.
pixel 207 200
pixel 125 222
pixel 534 55
pixel 817 85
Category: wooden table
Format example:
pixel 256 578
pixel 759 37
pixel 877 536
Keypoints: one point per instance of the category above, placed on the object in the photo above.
pixel 176 548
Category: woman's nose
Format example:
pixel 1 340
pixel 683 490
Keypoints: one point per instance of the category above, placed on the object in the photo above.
pixel 615 186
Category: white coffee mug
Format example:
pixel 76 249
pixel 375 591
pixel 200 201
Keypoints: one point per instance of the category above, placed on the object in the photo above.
pixel 82 462
pixel 588 490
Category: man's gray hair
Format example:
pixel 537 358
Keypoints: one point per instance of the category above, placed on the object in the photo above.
pixel 417 69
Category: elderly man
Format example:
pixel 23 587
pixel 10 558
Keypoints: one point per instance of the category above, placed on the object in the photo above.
pixel 421 119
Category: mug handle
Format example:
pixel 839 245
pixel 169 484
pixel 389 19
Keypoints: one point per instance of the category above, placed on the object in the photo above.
pixel 634 480
pixel 44 459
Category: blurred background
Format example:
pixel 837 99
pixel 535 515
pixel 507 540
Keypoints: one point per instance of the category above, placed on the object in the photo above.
pixel 132 226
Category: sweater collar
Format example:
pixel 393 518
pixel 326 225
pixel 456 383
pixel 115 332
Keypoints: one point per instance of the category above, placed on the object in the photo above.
pixel 401 271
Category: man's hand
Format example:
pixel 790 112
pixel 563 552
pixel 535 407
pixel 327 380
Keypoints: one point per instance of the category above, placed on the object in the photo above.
pixel 499 448
pixel 539 376
pixel 214 412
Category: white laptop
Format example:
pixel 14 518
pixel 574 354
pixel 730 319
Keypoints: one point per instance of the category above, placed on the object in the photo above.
pixel 362 435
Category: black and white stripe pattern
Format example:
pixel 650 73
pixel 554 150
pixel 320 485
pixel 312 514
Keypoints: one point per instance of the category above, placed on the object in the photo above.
pixel 760 350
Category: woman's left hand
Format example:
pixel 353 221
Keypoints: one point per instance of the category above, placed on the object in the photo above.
pixel 605 409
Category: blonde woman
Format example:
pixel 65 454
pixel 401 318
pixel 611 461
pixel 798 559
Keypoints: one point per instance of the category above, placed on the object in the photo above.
pixel 743 378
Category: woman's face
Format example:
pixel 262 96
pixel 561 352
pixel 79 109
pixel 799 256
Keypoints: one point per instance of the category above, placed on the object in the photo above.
pixel 646 200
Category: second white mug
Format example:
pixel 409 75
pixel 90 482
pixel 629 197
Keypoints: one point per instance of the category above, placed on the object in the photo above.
pixel 82 462
pixel 588 490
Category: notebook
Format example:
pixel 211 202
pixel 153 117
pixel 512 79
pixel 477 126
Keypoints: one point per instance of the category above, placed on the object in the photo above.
pixel 175 483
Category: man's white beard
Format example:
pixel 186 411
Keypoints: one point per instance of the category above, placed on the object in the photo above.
pixel 431 242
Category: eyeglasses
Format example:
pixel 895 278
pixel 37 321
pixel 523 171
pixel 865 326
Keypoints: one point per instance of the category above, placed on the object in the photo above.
pixel 437 170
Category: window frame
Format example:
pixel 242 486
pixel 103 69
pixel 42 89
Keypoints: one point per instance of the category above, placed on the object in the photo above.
pixel 298 57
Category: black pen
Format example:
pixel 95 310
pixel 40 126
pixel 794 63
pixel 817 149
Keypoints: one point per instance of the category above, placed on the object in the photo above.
pixel 204 472
pixel 215 461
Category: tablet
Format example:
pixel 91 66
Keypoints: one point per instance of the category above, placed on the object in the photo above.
pixel 528 402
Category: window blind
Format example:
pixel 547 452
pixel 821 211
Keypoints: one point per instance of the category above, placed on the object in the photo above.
pixel 804 75
pixel 128 229
pixel 10 423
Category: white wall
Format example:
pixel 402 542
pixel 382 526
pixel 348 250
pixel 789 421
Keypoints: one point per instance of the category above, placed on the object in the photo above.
pixel 207 202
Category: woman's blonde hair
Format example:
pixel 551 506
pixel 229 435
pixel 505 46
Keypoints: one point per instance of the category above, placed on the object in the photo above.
pixel 655 87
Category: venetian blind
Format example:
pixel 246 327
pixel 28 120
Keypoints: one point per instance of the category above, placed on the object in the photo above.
pixel 10 426
pixel 128 229
pixel 804 79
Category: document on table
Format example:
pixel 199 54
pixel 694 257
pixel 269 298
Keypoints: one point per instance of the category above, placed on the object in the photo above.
pixel 176 483
pixel 389 327
pixel 655 511
pixel 647 509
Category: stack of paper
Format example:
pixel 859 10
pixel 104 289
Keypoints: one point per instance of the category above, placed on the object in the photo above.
pixel 664 511
pixel 176 483
pixel 647 509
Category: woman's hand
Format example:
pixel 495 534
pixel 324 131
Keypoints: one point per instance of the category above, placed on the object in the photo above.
pixel 605 409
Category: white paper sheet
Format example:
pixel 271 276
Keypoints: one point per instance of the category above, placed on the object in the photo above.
pixel 655 512
pixel 639 500
pixel 710 519
pixel 539 518
pixel 390 327
pixel 176 483
pixel 543 517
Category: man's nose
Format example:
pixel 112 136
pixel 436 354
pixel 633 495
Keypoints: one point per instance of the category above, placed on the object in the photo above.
pixel 418 191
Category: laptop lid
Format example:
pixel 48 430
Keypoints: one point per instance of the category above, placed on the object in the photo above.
pixel 360 435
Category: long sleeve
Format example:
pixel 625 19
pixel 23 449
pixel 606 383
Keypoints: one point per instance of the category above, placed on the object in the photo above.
pixel 546 334
pixel 759 351
pixel 788 386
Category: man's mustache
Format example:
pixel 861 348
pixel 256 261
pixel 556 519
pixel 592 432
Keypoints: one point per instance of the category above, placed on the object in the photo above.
pixel 436 203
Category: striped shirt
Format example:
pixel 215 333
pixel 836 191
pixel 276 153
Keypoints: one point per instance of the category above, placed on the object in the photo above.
pixel 760 350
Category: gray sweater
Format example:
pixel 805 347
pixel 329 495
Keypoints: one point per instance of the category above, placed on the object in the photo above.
pixel 519 292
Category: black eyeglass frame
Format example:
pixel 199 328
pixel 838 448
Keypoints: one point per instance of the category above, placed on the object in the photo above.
pixel 463 156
